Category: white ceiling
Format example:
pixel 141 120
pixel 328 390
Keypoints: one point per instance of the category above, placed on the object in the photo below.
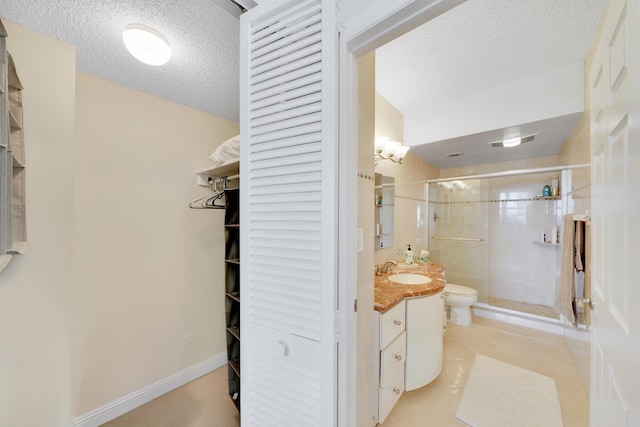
pixel 204 37
pixel 550 135
pixel 479 45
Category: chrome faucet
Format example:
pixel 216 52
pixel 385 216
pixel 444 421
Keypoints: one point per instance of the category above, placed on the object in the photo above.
pixel 384 267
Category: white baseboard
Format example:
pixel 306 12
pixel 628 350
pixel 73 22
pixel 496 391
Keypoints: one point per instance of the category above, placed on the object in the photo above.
pixel 138 398
pixel 533 321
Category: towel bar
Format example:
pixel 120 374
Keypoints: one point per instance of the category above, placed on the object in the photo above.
pixel 460 239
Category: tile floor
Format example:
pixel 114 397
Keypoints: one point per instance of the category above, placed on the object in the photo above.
pixel 548 354
pixel 204 402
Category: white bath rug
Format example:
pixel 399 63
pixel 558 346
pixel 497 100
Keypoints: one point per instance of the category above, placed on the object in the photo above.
pixel 497 394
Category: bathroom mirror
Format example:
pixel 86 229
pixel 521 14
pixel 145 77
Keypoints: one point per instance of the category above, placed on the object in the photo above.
pixel 384 207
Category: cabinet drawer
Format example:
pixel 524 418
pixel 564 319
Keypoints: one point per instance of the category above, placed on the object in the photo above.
pixel 391 375
pixel 391 324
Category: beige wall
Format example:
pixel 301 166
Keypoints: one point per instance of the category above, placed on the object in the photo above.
pixel 389 121
pixel 35 289
pixel 576 149
pixel 410 197
pixel 366 375
pixel 147 271
pixel 113 248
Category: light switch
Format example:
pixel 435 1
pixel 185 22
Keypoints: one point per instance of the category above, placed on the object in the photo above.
pixel 360 244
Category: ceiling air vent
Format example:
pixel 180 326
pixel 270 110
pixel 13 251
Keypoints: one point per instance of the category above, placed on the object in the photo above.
pixel 498 144
pixel 458 154
pixel 236 7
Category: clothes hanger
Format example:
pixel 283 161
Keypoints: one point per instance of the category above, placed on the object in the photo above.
pixel 210 203
pixel 207 202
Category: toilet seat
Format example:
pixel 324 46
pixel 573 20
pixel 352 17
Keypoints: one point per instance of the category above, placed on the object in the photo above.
pixel 452 289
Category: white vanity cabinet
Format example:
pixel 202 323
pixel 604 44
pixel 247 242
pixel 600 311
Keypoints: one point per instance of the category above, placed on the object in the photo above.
pixel 425 330
pixel 391 348
pixel 408 344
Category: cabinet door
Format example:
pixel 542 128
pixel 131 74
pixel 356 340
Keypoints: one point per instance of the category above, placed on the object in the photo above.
pixel 391 375
pixel 391 324
pixel 424 340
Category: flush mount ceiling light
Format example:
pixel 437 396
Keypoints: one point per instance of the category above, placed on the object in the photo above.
pixel 511 142
pixel 146 44
pixel 390 150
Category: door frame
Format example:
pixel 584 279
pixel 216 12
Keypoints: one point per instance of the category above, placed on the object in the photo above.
pixel 365 31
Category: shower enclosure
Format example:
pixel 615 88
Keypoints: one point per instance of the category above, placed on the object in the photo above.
pixel 500 236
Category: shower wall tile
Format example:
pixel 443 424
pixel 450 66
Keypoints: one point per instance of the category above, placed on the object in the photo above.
pixel 504 213
pixel 519 269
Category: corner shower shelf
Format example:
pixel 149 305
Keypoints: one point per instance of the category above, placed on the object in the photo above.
pixel 547 198
pixel 545 243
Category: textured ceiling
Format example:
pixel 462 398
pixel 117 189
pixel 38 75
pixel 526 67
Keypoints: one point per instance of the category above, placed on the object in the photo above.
pixel 202 72
pixel 479 45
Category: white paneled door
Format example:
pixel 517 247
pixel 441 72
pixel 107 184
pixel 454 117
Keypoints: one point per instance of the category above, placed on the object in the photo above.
pixel 615 148
pixel 288 214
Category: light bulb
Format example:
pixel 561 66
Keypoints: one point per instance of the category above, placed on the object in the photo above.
pixel 401 152
pixel 146 44
pixel 511 142
pixel 390 147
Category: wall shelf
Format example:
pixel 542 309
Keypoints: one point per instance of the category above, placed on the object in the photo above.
pixel 547 198
pixel 203 176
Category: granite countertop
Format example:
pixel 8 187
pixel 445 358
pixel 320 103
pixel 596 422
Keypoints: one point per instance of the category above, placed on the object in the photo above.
pixel 387 293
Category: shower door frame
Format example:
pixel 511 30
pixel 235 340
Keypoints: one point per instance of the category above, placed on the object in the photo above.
pixel 565 209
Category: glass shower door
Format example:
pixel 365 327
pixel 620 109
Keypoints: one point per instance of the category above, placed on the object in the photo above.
pixel 458 232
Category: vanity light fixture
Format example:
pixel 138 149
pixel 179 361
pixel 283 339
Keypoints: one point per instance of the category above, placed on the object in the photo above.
pixel 511 142
pixel 146 44
pixel 390 150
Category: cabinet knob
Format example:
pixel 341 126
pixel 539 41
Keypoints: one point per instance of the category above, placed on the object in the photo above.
pixel 397 322
pixel 396 390
pixel 398 357
pixel 279 349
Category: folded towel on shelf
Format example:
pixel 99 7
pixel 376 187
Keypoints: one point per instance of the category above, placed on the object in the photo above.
pixel 227 151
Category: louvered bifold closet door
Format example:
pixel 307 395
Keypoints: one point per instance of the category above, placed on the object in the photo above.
pixel 288 214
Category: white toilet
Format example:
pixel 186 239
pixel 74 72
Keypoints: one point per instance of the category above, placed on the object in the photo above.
pixel 459 299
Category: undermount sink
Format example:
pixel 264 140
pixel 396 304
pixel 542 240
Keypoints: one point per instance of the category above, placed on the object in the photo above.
pixel 409 279
pixel 406 266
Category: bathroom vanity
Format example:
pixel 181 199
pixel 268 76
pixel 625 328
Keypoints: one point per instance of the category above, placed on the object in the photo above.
pixel 408 328
pixel 390 338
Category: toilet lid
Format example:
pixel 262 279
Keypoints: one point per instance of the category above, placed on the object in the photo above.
pixel 451 288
